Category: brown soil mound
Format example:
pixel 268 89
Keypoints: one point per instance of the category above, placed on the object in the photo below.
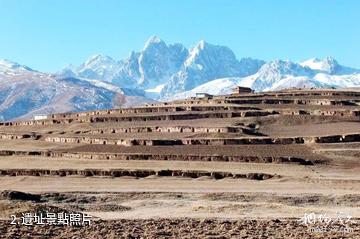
pixel 175 228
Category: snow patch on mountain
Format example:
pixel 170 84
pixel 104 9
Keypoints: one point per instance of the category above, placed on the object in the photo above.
pixel 328 65
pixel 215 87
pixel 171 66
pixel 98 67
pixel 28 92
pixel 206 62
pixel 152 66
pixel 277 75
pixel 314 63
pixel 10 68
pixel 158 71
pixel 157 89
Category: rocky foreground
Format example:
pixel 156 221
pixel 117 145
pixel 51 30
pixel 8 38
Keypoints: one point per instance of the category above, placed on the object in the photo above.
pixel 175 228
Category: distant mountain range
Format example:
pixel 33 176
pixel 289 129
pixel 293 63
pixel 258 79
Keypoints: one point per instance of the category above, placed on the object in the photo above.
pixel 25 92
pixel 159 71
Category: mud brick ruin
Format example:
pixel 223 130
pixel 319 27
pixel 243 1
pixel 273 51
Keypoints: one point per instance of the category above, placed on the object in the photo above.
pixel 273 127
pixel 240 156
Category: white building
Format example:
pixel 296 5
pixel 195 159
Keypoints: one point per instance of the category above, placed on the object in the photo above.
pixel 203 95
pixel 40 117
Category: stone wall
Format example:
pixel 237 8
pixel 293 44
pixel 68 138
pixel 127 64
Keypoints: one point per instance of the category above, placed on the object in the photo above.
pixel 206 141
pixel 160 157
pixel 132 173
pixel 124 118
pixel 167 129
pixel 19 136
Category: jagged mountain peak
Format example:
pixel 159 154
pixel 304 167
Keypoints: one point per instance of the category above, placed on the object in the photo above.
pixel 173 68
pixel 283 67
pixel 99 66
pixel 153 65
pixel 12 66
pixel 8 63
pixel 25 93
pixel 154 45
pixel 206 62
pixel 98 58
pixel 329 65
pixel 133 54
pixel 202 44
pixel 153 41
pixel 205 52
pixel 330 59
pixel 164 70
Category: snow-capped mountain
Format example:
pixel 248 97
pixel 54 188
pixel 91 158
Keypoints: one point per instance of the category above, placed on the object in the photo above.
pixel 159 71
pixel 220 86
pixel 8 68
pixel 25 92
pixel 165 69
pixel 147 69
pixel 151 67
pixel 273 72
pixel 206 62
pixel 279 74
pixel 328 65
pixel 98 67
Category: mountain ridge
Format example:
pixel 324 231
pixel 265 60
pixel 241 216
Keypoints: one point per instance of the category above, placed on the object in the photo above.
pixel 159 71
pixel 25 93
pixel 161 76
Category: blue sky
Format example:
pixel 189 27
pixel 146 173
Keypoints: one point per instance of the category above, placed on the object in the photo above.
pixel 49 34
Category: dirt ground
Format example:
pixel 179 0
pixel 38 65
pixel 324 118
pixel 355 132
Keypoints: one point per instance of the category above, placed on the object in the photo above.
pixel 204 196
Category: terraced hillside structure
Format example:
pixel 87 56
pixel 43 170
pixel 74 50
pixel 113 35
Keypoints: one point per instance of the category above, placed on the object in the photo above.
pixel 251 158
